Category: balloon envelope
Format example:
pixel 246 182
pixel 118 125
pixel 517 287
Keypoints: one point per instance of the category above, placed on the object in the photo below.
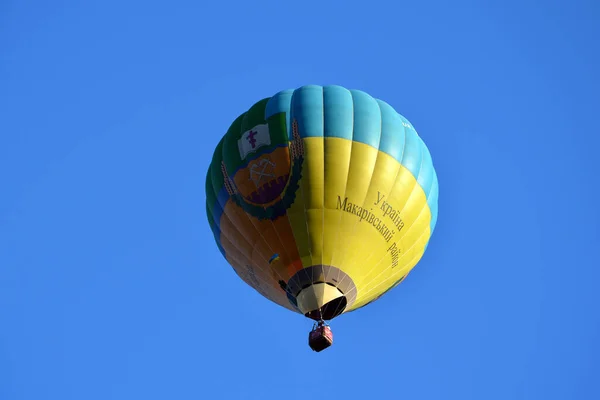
pixel 322 199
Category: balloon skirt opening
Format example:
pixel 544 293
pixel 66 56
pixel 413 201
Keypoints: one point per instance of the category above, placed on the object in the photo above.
pixel 329 310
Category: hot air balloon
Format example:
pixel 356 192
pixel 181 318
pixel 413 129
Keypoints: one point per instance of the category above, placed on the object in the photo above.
pixel 322 199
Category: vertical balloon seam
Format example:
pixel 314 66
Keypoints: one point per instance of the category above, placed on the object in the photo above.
pixel 331 138
pixel 300 130
pixel 352 134
pixel 324 183
pixel 340 213
pixel 328 137
pixel 304 119
pixel 328 140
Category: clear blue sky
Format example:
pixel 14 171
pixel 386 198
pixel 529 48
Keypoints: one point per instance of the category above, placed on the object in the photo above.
pixel 111 286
